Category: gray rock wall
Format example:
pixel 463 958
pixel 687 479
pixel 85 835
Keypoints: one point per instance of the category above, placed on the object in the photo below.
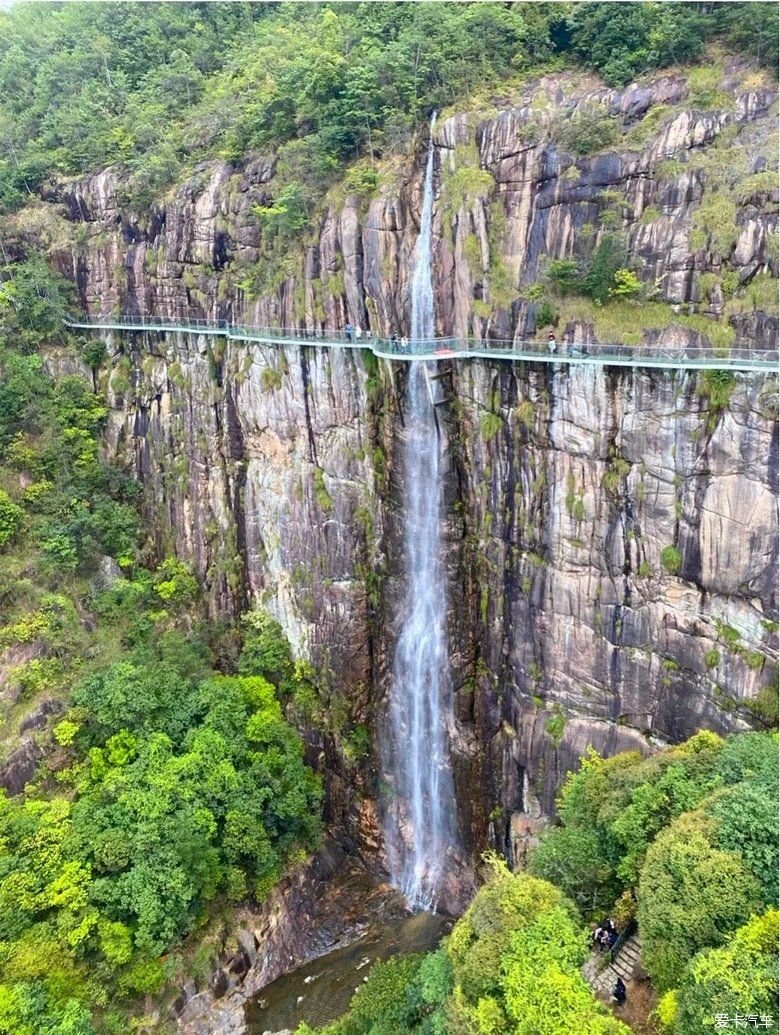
pixel 275 470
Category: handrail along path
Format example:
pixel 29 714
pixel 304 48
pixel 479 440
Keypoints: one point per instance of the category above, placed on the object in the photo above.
pixel 743 359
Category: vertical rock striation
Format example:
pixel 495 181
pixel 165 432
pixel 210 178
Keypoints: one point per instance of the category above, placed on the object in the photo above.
pixel 610 535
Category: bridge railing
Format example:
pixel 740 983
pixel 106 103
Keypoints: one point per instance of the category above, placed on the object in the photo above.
pixel 436 347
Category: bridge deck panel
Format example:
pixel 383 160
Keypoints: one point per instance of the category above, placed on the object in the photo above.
pixel 447 349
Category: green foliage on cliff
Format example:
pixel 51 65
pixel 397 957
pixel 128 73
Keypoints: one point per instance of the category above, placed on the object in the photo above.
pixel 149 86
pixel 690 833
pixel 200 791
pixel 509 967
pixel 602 277
pixel 743 972
pixel 74 506
pixel 165 788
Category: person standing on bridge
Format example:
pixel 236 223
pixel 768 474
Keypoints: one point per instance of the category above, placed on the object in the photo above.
pixel 552 345
pixel 348 331
pixel 358 332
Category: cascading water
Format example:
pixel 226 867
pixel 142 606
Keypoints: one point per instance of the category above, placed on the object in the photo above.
pixel 422 823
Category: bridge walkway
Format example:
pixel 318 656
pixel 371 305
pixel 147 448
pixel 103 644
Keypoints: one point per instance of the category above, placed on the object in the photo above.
pixel 438 349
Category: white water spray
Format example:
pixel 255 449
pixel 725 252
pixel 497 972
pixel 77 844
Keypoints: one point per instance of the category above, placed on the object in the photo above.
pixel 423 821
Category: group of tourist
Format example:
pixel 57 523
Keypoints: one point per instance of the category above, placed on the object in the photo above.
pixel 604 938
pixel 355 333
pixel 605 935
pixel 571 348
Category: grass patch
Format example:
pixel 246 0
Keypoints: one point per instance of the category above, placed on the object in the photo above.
pixel 555 727
pixel 588 130
pixel 321 494
pixel 648 127
pixel 464 185
pixel 669 169
pixel 490 425
pixel 712 658
pixel 717 386
pixel 761 294
pixel 619 321
pixel 754 186
pixel 704 88
pixel 719 334
pixel 671 559
pixel 715 224
pixel 650 215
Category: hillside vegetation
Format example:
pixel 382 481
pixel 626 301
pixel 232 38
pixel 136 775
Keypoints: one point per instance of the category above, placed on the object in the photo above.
pixel 158 87
pixel 684 840
pixel 165 788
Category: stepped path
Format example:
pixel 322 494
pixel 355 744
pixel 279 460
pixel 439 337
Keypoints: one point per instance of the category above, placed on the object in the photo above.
pixel 435 349
pixel 601 974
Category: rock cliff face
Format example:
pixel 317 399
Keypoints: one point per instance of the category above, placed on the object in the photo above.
pixel 611 534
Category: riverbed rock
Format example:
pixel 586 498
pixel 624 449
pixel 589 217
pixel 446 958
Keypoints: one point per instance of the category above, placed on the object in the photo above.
pixel 319 906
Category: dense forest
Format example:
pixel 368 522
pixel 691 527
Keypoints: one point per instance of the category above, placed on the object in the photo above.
pixel 171 782
pixel 170 789
pixel 685 840
pixel 157 87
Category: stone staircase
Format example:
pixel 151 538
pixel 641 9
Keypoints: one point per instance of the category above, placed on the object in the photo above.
pixel 601 975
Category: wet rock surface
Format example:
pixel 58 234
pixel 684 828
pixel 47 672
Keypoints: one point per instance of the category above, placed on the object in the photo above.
pixel 321 906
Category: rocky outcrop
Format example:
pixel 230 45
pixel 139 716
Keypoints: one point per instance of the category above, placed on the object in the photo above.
pixel 321 905
pixel 611 534
pixel 513 195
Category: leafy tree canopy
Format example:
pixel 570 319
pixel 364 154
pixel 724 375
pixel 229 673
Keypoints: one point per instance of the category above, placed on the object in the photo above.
pixel 146 85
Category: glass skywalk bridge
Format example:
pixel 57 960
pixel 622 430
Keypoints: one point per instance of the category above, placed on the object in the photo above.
pixel 438 349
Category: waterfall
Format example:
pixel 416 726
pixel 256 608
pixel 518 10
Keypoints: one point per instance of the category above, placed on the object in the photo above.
pixel 422 827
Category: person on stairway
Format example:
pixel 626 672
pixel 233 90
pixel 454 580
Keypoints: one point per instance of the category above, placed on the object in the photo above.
pixel 619 992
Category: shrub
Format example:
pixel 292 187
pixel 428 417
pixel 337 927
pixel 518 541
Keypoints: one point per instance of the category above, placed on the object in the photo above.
pixel 490 425
pixel 717 386
pixel 692 894
pixel 741 976
pixel 746 816
pixel 563 275
pixel 712 658
pixel 607 260
pixel 626 284
pixel 577 860
pixel 11 518
pixel 286 215
pixel 671 559
pixel 546 314
pixel 361 180
pixel 588 130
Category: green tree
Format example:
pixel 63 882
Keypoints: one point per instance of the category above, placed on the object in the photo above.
pixel 738 978
pixel 692 895
pixel 577 860
pixel 11 518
